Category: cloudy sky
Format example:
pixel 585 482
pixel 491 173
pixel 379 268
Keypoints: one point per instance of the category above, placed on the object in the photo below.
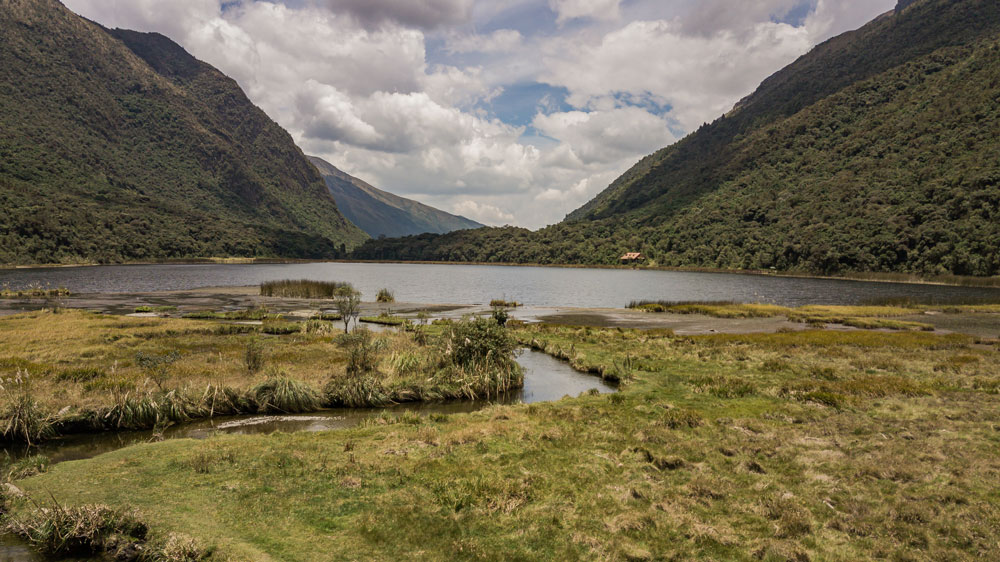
pixel 507 112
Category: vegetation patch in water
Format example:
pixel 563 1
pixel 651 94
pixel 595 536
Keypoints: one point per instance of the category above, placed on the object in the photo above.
pixel 301 289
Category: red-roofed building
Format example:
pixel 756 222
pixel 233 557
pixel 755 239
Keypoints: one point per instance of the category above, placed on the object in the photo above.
pixel 632 258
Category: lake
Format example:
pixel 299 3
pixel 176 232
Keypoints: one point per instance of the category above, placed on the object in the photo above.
pixel 478 284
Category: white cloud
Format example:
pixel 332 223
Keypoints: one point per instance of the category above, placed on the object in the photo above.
pixel 698 77
pixel 481 212
pixel 399 92
pixel 577 9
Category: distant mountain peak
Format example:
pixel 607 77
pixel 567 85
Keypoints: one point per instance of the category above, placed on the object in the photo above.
pixel 380 213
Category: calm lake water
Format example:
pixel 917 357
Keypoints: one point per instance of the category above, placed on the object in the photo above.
pixel 472 284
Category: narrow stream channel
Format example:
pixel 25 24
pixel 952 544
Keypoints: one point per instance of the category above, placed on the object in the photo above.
pixel 545 379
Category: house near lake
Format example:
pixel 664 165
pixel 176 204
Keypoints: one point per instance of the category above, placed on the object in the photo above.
pixel 632 258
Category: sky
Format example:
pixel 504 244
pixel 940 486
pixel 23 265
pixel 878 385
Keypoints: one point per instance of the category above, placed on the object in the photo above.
pixel 507 112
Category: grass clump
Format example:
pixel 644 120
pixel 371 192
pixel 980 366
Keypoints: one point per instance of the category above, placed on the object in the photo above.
pixel 33 292
pixel 98 530
pixel 251 314
pixel 26 467
pixel 301 289
pixel 157 309
pixel 504 303
pixel 282 395
pixel 22 419
pixel 385 296
pixel 383 320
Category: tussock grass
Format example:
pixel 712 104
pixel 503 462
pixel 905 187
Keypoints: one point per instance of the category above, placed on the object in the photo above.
pixel 385 296
pixel 22 419
pixel 503 303
pixel 301 289
pixel 282 395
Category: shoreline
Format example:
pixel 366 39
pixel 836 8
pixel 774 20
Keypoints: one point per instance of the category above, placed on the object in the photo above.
pixel 861 277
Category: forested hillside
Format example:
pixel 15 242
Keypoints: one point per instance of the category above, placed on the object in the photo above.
pixel 121 146
pixel 877 151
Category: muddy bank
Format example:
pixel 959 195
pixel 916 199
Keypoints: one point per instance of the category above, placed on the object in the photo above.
pixel 236 298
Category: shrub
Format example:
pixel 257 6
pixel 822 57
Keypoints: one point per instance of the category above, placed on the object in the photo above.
pixel 363 351
pixel 347 300
pixel 479 342
pixel 156 367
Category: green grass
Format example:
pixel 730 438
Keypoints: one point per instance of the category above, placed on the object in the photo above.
pixel 384 320
pixel 158 309
pixel 821 445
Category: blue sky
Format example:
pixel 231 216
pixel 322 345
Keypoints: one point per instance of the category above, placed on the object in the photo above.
pixel 507 112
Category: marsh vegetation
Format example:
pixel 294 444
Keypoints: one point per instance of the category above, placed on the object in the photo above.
pixel 79 371
pixel 807 445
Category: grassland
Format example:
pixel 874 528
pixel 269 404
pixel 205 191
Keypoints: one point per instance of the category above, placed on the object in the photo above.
pixel 77 371
pixel 817 445
pixel 870 317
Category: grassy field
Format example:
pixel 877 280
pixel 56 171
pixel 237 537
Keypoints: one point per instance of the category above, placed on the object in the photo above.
pixel 815 445
pixel 864 317
pixel 80 371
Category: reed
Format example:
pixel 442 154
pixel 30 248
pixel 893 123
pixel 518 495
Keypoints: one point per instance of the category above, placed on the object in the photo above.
pixel 385 296
pixel 301 289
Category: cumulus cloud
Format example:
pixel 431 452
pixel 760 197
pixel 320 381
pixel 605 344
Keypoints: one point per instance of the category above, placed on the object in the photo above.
pixel 406 94
pixel 697 77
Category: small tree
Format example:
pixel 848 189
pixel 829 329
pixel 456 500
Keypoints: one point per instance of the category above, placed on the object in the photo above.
pixel 347 301
pixel 156 367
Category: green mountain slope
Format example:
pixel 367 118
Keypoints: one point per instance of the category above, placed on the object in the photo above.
pixel 380 213
pixel 119 145
pixel 877 151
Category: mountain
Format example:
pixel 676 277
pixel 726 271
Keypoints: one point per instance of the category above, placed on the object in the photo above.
pixel 380 213
pixel 119 146
pixel 879 150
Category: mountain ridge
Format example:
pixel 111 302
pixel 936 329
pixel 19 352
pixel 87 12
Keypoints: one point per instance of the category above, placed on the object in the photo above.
pixel 121 146
pixel 380 213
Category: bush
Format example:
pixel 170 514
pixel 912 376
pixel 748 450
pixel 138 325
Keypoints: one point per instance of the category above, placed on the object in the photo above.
pixel 480 342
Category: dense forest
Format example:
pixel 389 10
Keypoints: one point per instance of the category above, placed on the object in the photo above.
pixel 120 146
pixel 877 151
